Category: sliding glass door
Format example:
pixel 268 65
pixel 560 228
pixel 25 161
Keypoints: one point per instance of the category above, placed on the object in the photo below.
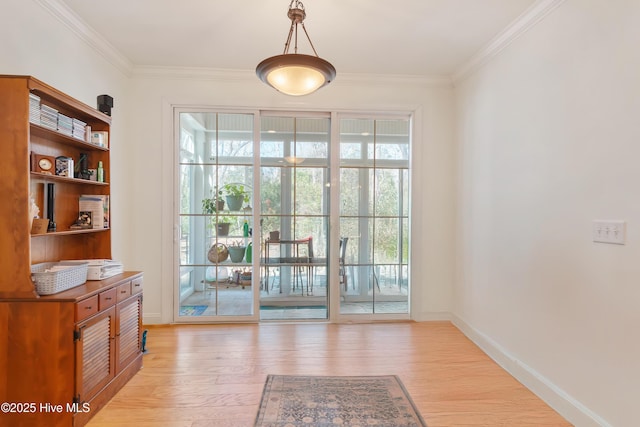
pixel 294 216
pixel 215 215
pixel 291 216
pixel 374 216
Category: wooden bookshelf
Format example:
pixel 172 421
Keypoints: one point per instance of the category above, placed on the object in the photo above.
pixel 79 346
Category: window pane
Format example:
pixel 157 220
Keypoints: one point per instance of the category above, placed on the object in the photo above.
pixel 198 132
pixel 355 136
pixel 386 241
pixel 387 192
pixel 235 137
pixel 310 191
pixel 311 141
pixel 350 194
pixel 392 140
pixel 270 186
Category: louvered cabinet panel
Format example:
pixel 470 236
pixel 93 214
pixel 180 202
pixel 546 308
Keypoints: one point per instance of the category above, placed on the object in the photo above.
pixel 129 325
pixel 96 351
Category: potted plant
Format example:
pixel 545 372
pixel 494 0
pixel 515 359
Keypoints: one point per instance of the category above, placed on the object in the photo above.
pixel 214 205
pixel 222 225
pixel 236 251
pixel 235 195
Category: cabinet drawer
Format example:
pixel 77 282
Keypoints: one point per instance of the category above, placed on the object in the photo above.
pixel 86 308
pixel 136 286
pixel 107 298
pixel 124 291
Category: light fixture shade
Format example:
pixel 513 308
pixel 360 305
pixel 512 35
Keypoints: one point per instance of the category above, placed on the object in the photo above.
pixel 293 160
pixel 296 74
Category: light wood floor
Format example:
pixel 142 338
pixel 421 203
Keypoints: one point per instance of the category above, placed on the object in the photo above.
pixel 213 375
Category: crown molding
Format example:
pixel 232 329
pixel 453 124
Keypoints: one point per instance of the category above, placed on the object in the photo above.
pixel 394 79
pixel 529 18
pixel 87 34
pixel 193 73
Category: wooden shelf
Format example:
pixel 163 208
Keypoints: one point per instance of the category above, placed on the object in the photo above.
pixel 55 136
pixel 49 177
pixel 63 102
pixel 69 232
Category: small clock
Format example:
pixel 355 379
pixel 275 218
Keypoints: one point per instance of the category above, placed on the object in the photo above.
pixel 44 164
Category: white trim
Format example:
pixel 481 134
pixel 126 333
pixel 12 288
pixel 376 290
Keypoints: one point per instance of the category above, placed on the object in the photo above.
pixel 87 34
pixel 191 73
pixel 218 74
pixel 431 316
pixel 392 79
pixel 534 14
pixel 574 411
pixel 169 229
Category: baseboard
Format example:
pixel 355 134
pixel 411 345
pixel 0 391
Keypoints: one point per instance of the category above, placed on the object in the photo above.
pixel 431 316
pixel 572 410
pixel 152 319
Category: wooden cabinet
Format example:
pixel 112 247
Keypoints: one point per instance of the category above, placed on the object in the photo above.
pixel 66 349
pixel 65 355
pixel 95 350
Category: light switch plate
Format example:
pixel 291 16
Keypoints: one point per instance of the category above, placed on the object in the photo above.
pixel 609 232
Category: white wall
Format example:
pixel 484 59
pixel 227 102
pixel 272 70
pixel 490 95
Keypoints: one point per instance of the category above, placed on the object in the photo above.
pixel 37 44
pixel 154 92
pixel 549 140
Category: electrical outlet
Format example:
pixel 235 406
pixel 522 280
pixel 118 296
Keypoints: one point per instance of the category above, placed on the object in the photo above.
pixel 609 232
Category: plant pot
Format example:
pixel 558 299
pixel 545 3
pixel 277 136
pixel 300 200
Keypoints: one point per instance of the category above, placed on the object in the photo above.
pixel 236 253
pixel 223 228
pixel 220 205
pixel 234 202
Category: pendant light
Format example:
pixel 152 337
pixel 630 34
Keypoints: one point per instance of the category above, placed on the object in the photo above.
pixel 294 73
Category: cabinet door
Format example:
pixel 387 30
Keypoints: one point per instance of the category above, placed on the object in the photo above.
pixel 95 351
pixel 128 330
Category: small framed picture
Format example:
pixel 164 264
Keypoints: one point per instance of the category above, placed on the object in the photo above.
pixel 64 166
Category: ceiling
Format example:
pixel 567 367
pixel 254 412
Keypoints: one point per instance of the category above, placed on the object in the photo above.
pixel 413 37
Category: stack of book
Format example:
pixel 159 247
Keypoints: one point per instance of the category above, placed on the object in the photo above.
pixel 65 124
pixel 103 268
pixel 34 108
pixel 48 117
pixel 79 129
pixel 99 269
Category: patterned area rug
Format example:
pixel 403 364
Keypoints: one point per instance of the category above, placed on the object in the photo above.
pixel 295 401
pixel 192 310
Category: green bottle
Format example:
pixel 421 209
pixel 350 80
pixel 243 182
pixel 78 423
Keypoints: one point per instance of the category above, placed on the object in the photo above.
pixel 100 172
pixel 248 252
